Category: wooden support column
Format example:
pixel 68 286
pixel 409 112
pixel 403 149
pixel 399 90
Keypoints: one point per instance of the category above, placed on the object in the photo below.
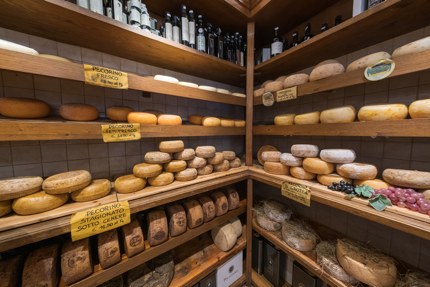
pixel 249 204
pixel 249 90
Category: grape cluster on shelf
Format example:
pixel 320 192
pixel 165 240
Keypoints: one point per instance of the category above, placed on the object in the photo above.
pixel 342 186
pixel 407 198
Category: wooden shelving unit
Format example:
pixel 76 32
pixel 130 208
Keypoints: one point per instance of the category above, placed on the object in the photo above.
pixel 260 281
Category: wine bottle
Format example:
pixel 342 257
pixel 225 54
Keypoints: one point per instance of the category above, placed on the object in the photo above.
pixel 168 26
pixel 125 12
pixel 135 13
pixel 220 44
pixel 295 40
pixel 192 29
pixel 277 45
pixel 201 35
pixel 210 40
pixel 185 26
pixel 308 35
pixel 96 6
pixel 144 18
pixel 176 29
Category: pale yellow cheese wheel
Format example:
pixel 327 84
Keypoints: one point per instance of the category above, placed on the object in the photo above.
pixel 167 79
pixel 357 170
pixel 239 123
pixel 186 175
pixel 169 120
pixel 263 149
pixel 276 168
pixel 223 91
pixel 373 183
pixel 11 188
pixel 175 166
pixel 118 113
pixel 235 163
pixel 240 95
pixel 224 166
pixel 162 179
pixel 326 69
pixel 420 109
pixel 273 86
pixel 129 183
pixel 171 146
pixel 23 108
pixel 205 151
pixel 367 61
pixel 272 156
pixel 66 182
pixel 407 178
pixel 211 122
pixel 383 112
pixel 301 173
pixel 216 159
pixel 338 115
pixel 337 155
pixel 317 166
pixel 229 154
pixel 227 123
pixel 157 157
pixel 258 92
pixel 186 154
pixel 304 150
pixel 189 84
pixel 414 47
pixel 195 119
pixel 290 160
pixel 207 169
pixel 142 118
pixel 38 202
pixel 295 80
pixel 5 207
pixel 146 170
pixel 78 112
pixel 98 188
pixel 328 179
pixel 265 83
pixel 224 236
pixel 284 119
pixel 197 162
pixel 307 119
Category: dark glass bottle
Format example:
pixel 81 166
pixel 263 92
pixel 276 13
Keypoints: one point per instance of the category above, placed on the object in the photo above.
pixel 220 44
pixel 168 26
pixel 277 45
pixel 324 27
pixel 308 33
pixel 192 29
pixel 185 26
pixel 210 40
pixel 109 10
pixel 232 49
pixel 201 35
pixel 295 40
pixel 338 20
pixel 176 29
pixel 227 55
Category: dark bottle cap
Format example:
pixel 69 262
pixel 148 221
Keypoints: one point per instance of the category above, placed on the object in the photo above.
pixel 338 20
pixel 183 8
pixel 168 16
pixel 191 14
pixel 176 21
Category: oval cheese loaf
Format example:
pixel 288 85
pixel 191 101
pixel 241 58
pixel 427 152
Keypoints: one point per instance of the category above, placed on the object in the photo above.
pixel 420 109
pixel 237 226
pixel 304 150
pixel 407 178
pixel 235 163
pixel 5 207
pixel 295 80
pixel 41 267
pixel 23 108
pixel 10 271
pixel 328 179
pixel 224 166
pixel 66 182
pixel 186 154
pixel 239 123
pixel 78 112
pixel 284 120
pixel 299 235
pixel 216 159
pixel 108 249
pixel 383 112
pixel 301 173
pixel 317 166
pixel 165 178
pixel 142 118
pixel 338 115
pixel 221 203
pixel 205 151
pixel 205 170
pixel 169 120
pixel 326 69
pixel 186 175
pixel 276 168
pixel 208 207
pixel 98 188
pixel 211 122
pixel 338 155
pixel 414 47
pixel 167 79
pixel 357 170
pixel 129 183
pixel 232 198
pixel 307 119
pixel 367 61
pixel 194 213
pixel 229 155
pixel 158 231
pixel 228 123
pixel 76 260
pixel 373 183
pixel 11 188
pixel 157 157
pixel 177 219
pixel 258 92
pixel 224 236
pixel 290 160
pixel 146 170
pixel 195 119
pixel 197 162
pixel 175 166
pixel 133 239
pixel 263 149
pixel 273 86
pixel 271 156
pixel 118 113
pixel 171 146
pixel 38 202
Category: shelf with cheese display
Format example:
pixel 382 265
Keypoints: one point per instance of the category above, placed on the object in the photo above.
pixel 260 281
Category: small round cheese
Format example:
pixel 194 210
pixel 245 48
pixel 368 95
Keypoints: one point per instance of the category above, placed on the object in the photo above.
pixel 383 112
pixel 211 122
pixel 338 115
pixel 186 154
pixel 414 47
pixel 290 160
pixel 66 182
pixel 263 149
pixel 357 170
pixel 171 146
pixel 23 108
pixel 295 80
pixel 38 202
pixel 224 236
pixel 317 166
pixel 326 69
pixel 227 123
pixel 367 61
pixel 142 118
pixel 284 119
pixel 162 179
pixel 186 175
pixel 272 156
pixel 223 91
pixel 229 155
pixel 276 168
pixel 420 109
pixel 169 120
pixel 207 169
pixel 195 120
pixel 207 88
pixel 197 162
pixel 216 159
pixel 337 155
pixel 78 112
pixel 407 178
pixel 307 119
pixel 11 188
pixel 175 166
pixel 7 45
pixel 157 157
pixel 235 163
pixel 240 95
pixel 118 114
pixel 259 92
pixel 301 173
pixel 205 151
pixel 167 79
pixel 188 84
pixel 129 183
pixel 224 166
pixel 146 170
pixel 304 150
pixel 98 188
pixel 373 183
pixel 5 207
pixel 273 86
pixel 328 179
pixel 239 123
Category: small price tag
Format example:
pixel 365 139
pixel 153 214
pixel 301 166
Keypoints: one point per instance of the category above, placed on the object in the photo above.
pixel 99 219
pixel 121 132
pixel 380 70
pixel 297 192
pixel 268 99
pixel 286 94
pixel 105 77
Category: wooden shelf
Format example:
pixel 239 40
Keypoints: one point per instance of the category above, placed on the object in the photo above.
pixel 395 217
pixel 397 128
pixel 384 21
pixel 33 64
pixel 66 22
pixel 261 281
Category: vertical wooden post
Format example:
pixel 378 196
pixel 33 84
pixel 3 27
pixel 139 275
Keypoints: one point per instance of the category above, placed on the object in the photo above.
pixel 249 90
pixel 249 203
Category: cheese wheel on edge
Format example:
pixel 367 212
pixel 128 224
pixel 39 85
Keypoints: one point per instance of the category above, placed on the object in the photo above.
pixel 177 219
pixel 337 155
pixel 357 170
pixel 169 120
pixel 205 151
pixel 133 238
pixel 194 213
pixel 175 166
pixel 317 166
pixel 171 146
pixel 38 202
pixel 414 47
pixel 162 179
pixel 328 179
pixel 66 182
pixel 108 248
pixel 338 115
pixel 208 207
pixel 41 267
pixel 420 109
pixel 290 160
pixel 195 120
pixel 23 108
pixel 373 183
pixel 273 86
pixel 157 157
pixel 307 119
pixel 186 175
pixel 383 112
pixel 78 112
pixel 407 178
pixel 146 170
pixel 326 69
pixel 14 187
pixel 224 236
pixel 118 113
pixel 146 119
pixel 186 154
pixel 284 120
pixel 224 166
pixel 301 173
pixel 207 169
pixel 158 230
pixel 295 80
pixel 5 207
pixel 221 203
pixel 272 156
pixel 368 60
pixel 232 198
pixel 129 183
pixel 98 188
pixel 276 168
pixel 197 162
pixel 76 260
pixel 304 150
pixel 211 122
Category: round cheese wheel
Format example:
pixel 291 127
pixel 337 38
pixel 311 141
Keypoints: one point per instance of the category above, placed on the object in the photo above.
pixel 175 165
pixel 157 157
pixel 118 114
pixel 383 112
pixel 373 183
pixel 208 207
pixel 38 202
pixel 162 179
pixel 275 168
pixel 273 86
pixel 328 179
pixel 216 159
pixel 221 203
pixel 233 198
pixel 76 260
pixel 197 162
pixel 290 160
pixel 263 149
pixel 338 115
pixel 240 95
pixel 407 178
pixel 281 78
pixel 207 88
pixel 326 69
pixel 317 166
pixel 211 122
pixel 239 123
pixel 414 47
pixel 307 119
pixel 276 211
pixel 299 235
pixel 66 182
pixel 357 170
pixel 129 183
pixel 272 156
pixel 5 207
pixel 146 170
pixel 259 92
pixel 109 253
pixel 207 169
pixel 23 108
pixel 224 166
pixel 224 236
pixel 195 120
pixel 177 219
pixel 223 91
pixel 284 119
pixel 301 173
pixel 366 264
pixel 420 109
pixel 40 267
pixel 295 80
pixel 171 146
pixel 158 230
pixel 205 151
pixel 426 194
pixel 167 79
pixel 78 112
pixel 132 237
pixel 7 45
pixel 337 155
pixel 97 189
pixel 304 150
pixel 367 61
pixel 188 84
pixel 194 213
pixel 11 188
pixel 265 83
pixel 142 118
pixel 229 155
pixel 186 175
pixel 186 154
pixel 237 226
pixel 235 163
pixel 227 123
pixel 169 120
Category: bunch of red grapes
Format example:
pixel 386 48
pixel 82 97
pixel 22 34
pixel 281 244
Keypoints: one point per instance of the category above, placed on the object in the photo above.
pixel 407 198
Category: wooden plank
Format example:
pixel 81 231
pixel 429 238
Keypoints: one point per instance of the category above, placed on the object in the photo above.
pixel 261 281
pixel 248 260
pixel 249 92
pixel 240 282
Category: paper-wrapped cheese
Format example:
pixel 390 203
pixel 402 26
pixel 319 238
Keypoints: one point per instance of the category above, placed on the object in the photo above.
pixel 221 203
pixel 133 238
pixel 171 146
pixel 11 188
pixel 76 260
pixel 38 202
pixel 326 69
pixel 78 112
pixel 146 170
pixel 40 267
pixel 66 182
pixel 368 60
pixel 317 166
pixel 338 115
pixel 98 188
pixel 158 231
pixel 165 178
pixel 157 157
pixel 383 112
pixel 307 119
pixel 177 219
pixel 357 170
pixel 23 108
pixel 224 236
pixel 129 183
pixel 108 248
pixel 194 213
pixel 118 113
pixel 208 207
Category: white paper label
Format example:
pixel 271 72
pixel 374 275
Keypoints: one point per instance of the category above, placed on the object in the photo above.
pixel 192 32
pixel 83 3
pixel 134 16
pixel 169 31
pixel 97 6
pixel 185 35
pixel 201 43
pixel 145 20
pixel 135 3
pixel 109 12
pixel 176 34
pixel 117 10
pixel 276 48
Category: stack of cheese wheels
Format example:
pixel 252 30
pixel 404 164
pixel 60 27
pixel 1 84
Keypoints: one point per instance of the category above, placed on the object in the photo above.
pixel 23 108
pixel 307 119
pixel 164 178
pixel 133 238
pixel 205 170
pixel 295 80
pixel 326 69
pixel 420 109
pixel 224 236
pixel 290 160
pixel 338 115
pixel 142 118
pixel 175 165
pixel 368 60
pixel 205 151
pixel 157 157
pixel 186 174
pixel 299 235
pixel 355 170
pixel 216 159
pixel 129 183
pixel 383 112
pixel 118 113
pixel 41 267
pixel 98 188
pixel 272 163
pixel 407 178
pixel 413 48
pixel 169 120
pixel 284 119
pixel 158 230
pixel 186 154
pixel 76 262
pixel 235 163
pixel 78 112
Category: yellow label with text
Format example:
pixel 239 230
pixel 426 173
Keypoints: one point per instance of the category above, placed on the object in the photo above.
pixel 121 132
pixel 105 77
pixel 286 94
pixel 99 219
pixel 297 192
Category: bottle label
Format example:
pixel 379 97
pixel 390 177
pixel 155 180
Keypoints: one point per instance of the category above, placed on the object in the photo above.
pixel 242 59
pixel 117 10
pixel 176 34
pixel 135 4
pixel 144 18
pixel 97 6
pixel 134 16
pixel 201 43
pixel 83 3
pixel 276 48
pixel 192 32
pixel 169 31
pixel 124 18
pixel 185 34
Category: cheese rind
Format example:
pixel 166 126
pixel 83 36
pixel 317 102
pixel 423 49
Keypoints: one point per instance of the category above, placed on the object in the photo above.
pixel 23 108
pixel 221 203
pixel 207 169
pixel 216 159
pixel 76 260
pixel 271 156
pixel 301 173
pixel 108 248
pixel 78 112
pixel 158 231
pixel 224 166
pixel 299 235
pixel 169 120
pixel 229 155
pixel 224 236
pixel 211 122
pixel 146 170
pixel 304 150
pixel 175 166
pixel 328 179
pixel 165 178
pixel 194 213
pixel 290 160
pixel 197 162
pixel 414 47
pixel 237 226
pixel 66 182
pixel 357 170
pixel 186 175
pixel 276 168
pixel 407 178
pixel 208 207
pixel 98 188
pixel 383 112
pixel 273 86
pixel 232 198
pixel 295 80
pixel 338 155
pixel 118 113
pixel 307 119
pixel 368 60
pixel 338 115
pixel 186 154
pixel 40 267
pixel 171 146
pixel 177 219
pixel 235 163
pixel 5 208
pixel 129 183
pixel 11 188
pixel 157 157
pixel 263 149
pixel 205 151
pixel 133 238
pixel 317 166
pixel 38 202
pixel 284 119
pixel 142 118
pixel 420 109
pixel 326 69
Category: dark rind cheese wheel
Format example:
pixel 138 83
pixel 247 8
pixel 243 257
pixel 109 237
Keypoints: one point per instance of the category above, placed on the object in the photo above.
pixel 194 213
pixel 133 239
pixel 221 203
pixel 208 206
pixel 158 231
pixel 41 267
pixel 118 113
pixel 232 198
pixel 76 261
pixel 78 112
pixel 108 248
pixel 177 219
pixel 9 271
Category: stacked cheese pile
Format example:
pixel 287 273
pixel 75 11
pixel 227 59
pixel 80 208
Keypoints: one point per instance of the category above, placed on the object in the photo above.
pixel 215 121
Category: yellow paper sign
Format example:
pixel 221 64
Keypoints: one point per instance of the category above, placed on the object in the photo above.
pixel 286 94
pixel 297 192
pixel 99 219
pixel 105 77
pixel 121 132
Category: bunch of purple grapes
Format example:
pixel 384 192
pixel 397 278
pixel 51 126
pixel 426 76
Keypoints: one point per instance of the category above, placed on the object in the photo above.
pixel 407 198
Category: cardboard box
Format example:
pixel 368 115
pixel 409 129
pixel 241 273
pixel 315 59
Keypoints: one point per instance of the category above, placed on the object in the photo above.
pixel 272 259
pixel 209 281
pixel 230 272
pixel 257 253
pixel 303 278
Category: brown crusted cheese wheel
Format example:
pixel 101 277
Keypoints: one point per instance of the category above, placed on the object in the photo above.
pixel 328 179
pixel 38 202
pixel 205 151
pixel 307 119
pixel 304 150
pixel 383 112
pixel 207 169
pixel 186 175
pixel 276 168
pixel 228 123
pixel 295 80
pixel 235 163
pixel 357 170
pixel 146 170
pixel 76 260
pixel 108 248
pixel 23 108
pixel 133 238
pixel 216 159
pixel 281 78
pixel 78 112
pixel 66 182
pixel 259 92
pixel 186 154
pixel 169 120
pixel 224 166
pixel 195 120
pixel 273 86
pixel 239 123
pixel 142 118
pixel 271 156
pixel 165 178
pixel 158 231
pixel 229 155
pixel 420 109
pixel 373 183
pixel 211 122
pixel 40 267
pixel 177 219
pixel 317 166
pixel 263 149
pixel 224 236
pixel 232 198
pixel 14 187
pixel 98 188
pixel 338 115
pixel 265 83
pixel 194 213
pixel 157 157
pixel 129 183
pixel 197 162
pixel 368 60
pixel 290 160
pixel 237 226
pixel 118 113
pixel 284 119
pixel 175 166
pixel 221 203
pixel 338 155
pixel 414 47
pixel 407 178
pixel 171 146
pixel 5 208
pixel 9 271
pixel 208 207
pixel 326 69
pixel 301 173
